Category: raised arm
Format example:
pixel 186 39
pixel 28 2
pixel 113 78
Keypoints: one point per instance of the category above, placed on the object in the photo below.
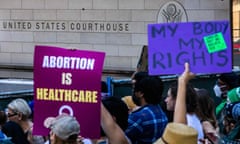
pixel 180 106
pixel 113 132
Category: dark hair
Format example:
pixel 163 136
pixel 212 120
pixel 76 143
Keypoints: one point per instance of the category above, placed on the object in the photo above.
pixel 104 87
pixel 118 109
pixel 140 75
pixel 3 117
pixel 152 88
pixel 72 139
pixel 206 107
pixel 231 79
pixel 191 96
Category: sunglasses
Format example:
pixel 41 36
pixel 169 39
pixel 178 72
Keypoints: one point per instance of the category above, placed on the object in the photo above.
pixel 11 115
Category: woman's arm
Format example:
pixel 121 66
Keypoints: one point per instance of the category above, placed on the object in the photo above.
pixel 112 130
pixel 180 106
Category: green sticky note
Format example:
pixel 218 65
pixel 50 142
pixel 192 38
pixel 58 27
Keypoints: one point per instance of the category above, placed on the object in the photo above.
pixel 215 42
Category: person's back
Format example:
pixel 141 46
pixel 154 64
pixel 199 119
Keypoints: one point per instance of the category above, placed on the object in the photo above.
pixel 147 124
pixel 13 130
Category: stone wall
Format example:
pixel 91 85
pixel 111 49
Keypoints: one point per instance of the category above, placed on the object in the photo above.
pixel 117 27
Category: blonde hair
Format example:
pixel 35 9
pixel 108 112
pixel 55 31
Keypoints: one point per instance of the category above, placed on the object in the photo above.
pixel 19 105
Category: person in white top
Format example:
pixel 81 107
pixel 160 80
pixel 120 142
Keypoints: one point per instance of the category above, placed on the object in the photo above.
pixel 193 121
pixel 192 118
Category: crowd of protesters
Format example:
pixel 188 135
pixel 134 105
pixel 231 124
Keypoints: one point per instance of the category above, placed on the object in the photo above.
pixel 141 118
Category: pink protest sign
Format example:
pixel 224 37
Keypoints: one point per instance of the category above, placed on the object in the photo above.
pixel 67 81
pixel 206 46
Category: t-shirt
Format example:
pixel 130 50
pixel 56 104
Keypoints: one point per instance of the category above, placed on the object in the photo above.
pixel 146 124
pixel 13 130
pixel 193 121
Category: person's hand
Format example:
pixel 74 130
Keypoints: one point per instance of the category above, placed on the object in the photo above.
pixel 204 141
pixel 180 109
pixel 213 137
pixel 80 140
pixel 187 74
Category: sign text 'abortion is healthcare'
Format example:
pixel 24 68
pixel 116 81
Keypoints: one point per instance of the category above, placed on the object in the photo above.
pixel 67 81
pixel 206 46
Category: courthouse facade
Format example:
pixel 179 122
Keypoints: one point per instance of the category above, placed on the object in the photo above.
pixel 117 27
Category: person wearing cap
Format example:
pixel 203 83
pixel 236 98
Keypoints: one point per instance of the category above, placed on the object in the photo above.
pixel 64 129
pixel 19 125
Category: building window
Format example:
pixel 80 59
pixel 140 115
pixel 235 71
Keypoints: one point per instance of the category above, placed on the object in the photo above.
pixel 236 19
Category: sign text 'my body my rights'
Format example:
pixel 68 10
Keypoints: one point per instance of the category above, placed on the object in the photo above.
pixel 173 44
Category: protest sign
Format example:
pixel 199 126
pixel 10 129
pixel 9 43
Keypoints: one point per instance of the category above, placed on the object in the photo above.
pixel 67 81
pixel 206 46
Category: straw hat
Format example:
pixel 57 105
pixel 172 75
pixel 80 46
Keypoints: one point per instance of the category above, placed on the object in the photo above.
pixel 177 133
pixel 129 102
